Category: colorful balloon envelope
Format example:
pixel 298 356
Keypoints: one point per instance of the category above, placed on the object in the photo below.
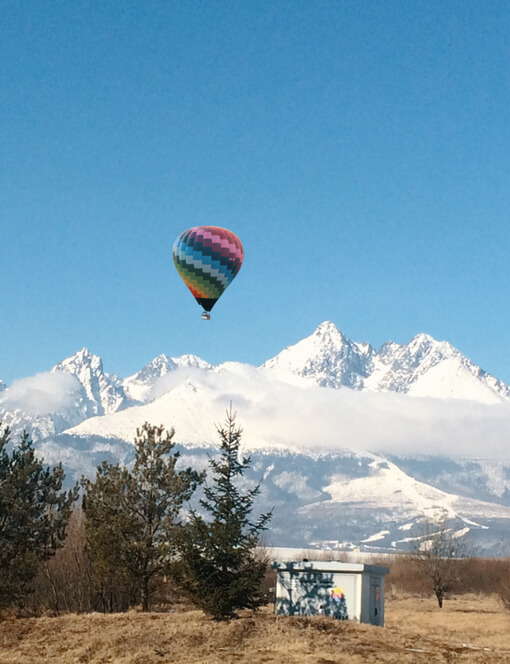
pixel 207 258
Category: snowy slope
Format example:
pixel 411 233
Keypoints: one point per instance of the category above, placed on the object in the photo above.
pixel 386 509
pixel 341 500
pixel 192 403
pixel 390 486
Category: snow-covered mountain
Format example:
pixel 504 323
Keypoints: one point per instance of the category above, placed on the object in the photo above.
pixel 78 388
pixel 424 367
pixel 102 393
pixel 72 391
pixel 327 357
pixel 139 386
pixel 354 444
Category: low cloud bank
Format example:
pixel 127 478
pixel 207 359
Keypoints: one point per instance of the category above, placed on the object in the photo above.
pixel 388 423
pixel 306 416
pixel 277 414
pixel 41 394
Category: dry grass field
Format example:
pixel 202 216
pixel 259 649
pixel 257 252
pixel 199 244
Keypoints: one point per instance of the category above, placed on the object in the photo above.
pixel 468 629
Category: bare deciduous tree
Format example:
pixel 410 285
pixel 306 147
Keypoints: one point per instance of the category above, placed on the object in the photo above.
pixel 438 558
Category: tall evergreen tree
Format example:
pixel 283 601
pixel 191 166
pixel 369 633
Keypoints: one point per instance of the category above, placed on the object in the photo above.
pixel 108 525
pixel 133 517
pixel 34 512
pixel 219 569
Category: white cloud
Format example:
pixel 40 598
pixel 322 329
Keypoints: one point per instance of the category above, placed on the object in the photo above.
pixel 328 419
pixel 303 416
pixel 41 394
pixel 173 379
pixel 385 422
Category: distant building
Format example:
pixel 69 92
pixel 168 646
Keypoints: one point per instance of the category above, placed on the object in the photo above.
pixel 346 591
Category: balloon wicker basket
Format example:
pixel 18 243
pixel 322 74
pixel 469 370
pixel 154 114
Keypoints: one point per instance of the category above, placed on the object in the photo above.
pixel 206 315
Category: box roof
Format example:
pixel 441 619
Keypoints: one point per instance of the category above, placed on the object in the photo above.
pixel 328 566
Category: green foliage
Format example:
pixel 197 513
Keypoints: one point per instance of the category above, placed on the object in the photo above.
pixel 219 566
pixel 133 519
pixel 34 512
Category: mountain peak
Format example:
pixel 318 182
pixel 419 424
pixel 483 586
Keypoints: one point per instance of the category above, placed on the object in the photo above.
pixel 192 361
pixel 102 393
pixel 424 340
pixel 423 367
pixel 82 358
pixel 327 327
pixel 328 334
pixel 423 337
pixel 327 356
pixel 159 366
pixel 424 344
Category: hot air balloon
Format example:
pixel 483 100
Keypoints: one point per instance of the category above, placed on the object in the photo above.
pixel 207 258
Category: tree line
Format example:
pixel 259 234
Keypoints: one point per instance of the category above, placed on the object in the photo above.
pixel 135 533
pixel 129 538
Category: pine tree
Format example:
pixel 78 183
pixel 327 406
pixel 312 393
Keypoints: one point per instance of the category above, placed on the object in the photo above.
pixel 220 570
pixel 108 524
pixel 133 518
pixel 34 512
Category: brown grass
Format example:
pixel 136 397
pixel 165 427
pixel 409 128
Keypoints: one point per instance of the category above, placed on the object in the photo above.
pixel 468 629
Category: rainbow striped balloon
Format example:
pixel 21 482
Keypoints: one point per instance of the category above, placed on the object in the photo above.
pixel 207 258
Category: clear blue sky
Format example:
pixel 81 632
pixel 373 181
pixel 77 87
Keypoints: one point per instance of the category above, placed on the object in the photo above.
pixel 360 150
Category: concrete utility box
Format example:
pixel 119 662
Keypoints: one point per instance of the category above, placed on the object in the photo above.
pixel 347 591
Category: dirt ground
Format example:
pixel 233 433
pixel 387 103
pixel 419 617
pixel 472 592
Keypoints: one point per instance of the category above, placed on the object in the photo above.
pixel 468 629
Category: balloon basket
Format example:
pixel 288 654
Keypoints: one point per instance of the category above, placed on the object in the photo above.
pixel 206 315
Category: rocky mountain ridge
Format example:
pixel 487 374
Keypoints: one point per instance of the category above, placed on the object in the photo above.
pixel 423 367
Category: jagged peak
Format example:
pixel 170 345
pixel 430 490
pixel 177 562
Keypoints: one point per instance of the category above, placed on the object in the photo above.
pixel 160 360
pixel 423 337
pixel 159 366
pixel 82 358
pixel 162 365
pixel 424 341
pixel 326 326
pixel 84 353
pixel 388 346
pixel 329 331
pixel 191 361
pixel 327 338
